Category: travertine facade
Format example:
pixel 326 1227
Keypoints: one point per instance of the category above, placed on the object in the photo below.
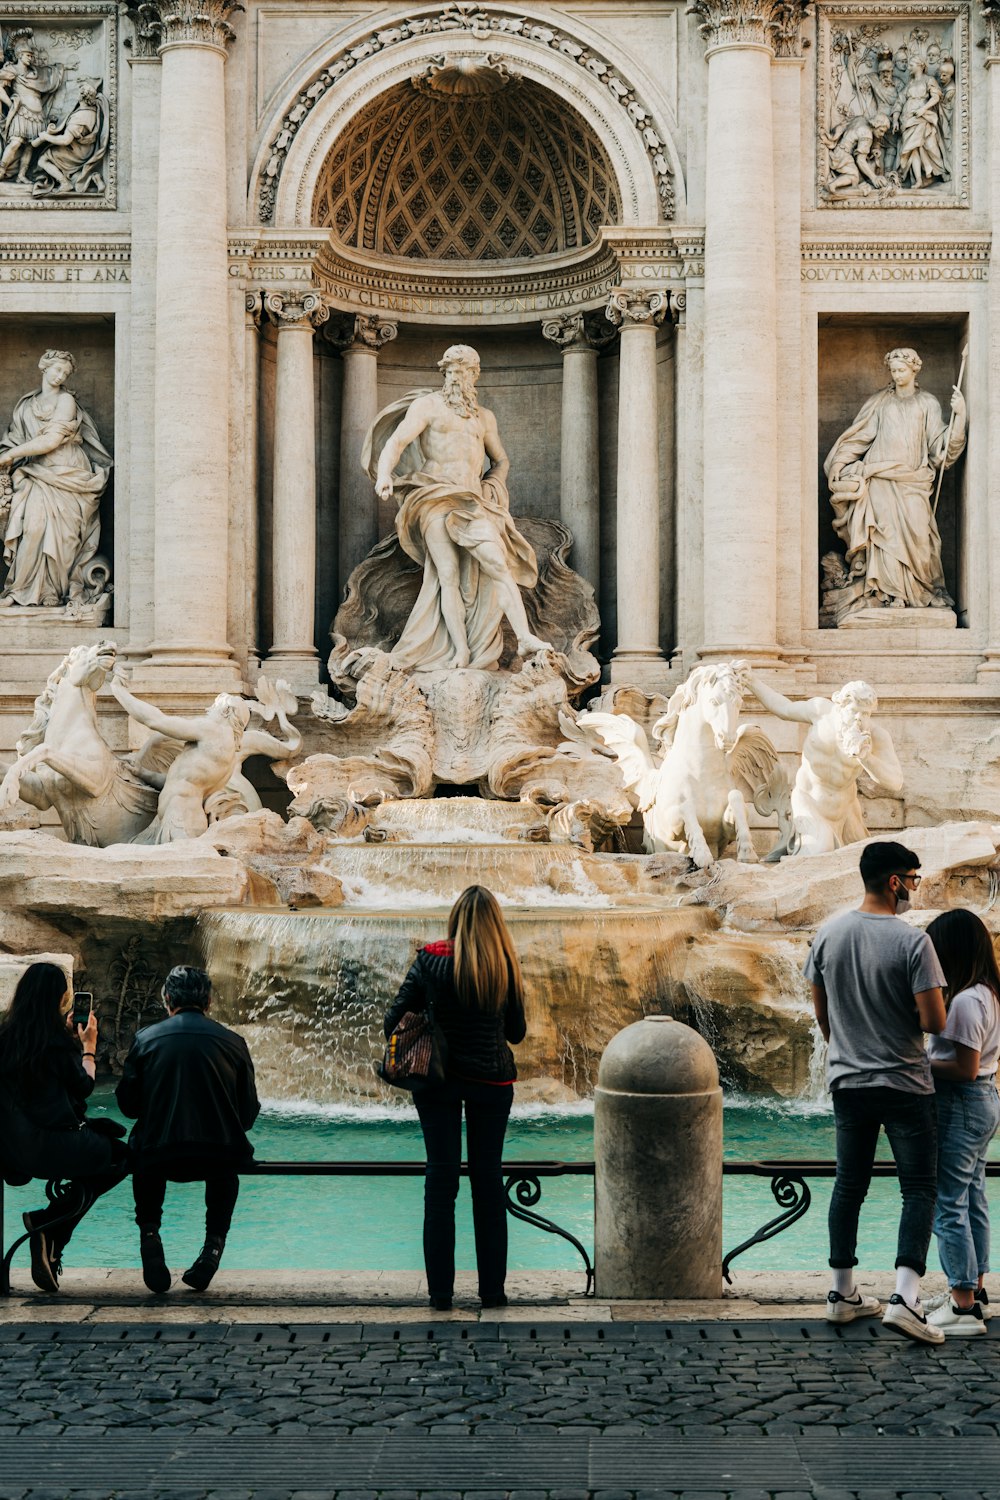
pixel 682 242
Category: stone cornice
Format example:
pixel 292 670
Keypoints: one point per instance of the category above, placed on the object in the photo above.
pixel 771 24
pixel 932 262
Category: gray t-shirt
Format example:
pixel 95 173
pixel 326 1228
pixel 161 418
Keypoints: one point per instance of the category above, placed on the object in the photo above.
pixel 973 1020
pixel 871 966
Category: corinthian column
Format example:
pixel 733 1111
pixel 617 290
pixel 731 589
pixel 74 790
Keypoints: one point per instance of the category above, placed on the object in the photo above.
pixel 638 314
pixel 359 344
pixel 580 337
pixel 740 360
pixel 191 346
pixel 293 506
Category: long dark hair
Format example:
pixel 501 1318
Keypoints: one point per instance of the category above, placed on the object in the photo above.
pixel 964 946
pixel 487 971
pixel 34 1020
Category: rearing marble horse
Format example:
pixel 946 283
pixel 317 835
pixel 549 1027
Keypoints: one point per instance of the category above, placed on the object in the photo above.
pixel 64 764
pixel 694 800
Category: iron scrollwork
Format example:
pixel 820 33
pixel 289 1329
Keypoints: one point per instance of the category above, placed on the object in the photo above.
pixel 791 1193
pixel 523 1191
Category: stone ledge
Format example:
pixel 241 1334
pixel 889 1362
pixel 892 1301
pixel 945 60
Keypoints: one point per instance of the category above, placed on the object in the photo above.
pixel 96 1296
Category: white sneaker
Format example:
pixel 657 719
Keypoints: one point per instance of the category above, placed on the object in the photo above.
pixel 940 1299
pixel 900 1318
pixel 845 1309
pixel 955 1322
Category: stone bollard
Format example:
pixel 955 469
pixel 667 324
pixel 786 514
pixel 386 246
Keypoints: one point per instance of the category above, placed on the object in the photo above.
pixel 658 1164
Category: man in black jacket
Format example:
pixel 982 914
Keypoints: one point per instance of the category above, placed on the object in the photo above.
pixel 189 1085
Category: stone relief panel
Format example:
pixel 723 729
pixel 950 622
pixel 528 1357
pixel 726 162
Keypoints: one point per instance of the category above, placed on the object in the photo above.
pixel 893 107
pixel 58 96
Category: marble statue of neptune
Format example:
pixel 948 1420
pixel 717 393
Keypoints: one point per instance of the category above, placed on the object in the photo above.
pixel 454 520
pixel 60 471
pixel 882 472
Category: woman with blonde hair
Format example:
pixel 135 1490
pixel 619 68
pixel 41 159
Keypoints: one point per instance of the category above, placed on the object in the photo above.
pixel 472 984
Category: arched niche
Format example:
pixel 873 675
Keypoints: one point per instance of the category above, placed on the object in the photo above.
pixel 322 105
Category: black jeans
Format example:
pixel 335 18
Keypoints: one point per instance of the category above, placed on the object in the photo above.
pixel 149 1188
pixel 910 1123
pixel 487 1106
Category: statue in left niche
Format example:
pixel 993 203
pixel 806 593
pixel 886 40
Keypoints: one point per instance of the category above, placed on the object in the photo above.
pixel 186 774
pixel 53 471
pixel 58 150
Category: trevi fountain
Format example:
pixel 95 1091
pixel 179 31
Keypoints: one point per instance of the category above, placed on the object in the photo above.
pixel 550 447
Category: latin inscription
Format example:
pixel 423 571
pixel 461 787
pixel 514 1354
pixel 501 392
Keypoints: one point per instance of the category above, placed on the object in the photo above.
pixel 82 274
pixel 895 273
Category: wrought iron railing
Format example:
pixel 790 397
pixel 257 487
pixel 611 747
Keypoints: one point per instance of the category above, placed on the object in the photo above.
pixel 523 1186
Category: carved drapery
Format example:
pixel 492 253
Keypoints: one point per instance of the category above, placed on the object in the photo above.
pixel 749 23
pixel 167 23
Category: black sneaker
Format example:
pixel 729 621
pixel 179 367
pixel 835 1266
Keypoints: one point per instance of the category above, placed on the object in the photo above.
pixel 155 1271
pixel 45 1263
pixel 440 1304
pixel 500 1301
pixel 199 1276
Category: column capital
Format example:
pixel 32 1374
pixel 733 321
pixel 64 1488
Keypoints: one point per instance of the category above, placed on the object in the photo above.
pixel 365 331
pixel 578 331
pixel 298 310
pixel 170 23
pixel 768 24
pixel 637 309
pixel 254 305
pixel 991 15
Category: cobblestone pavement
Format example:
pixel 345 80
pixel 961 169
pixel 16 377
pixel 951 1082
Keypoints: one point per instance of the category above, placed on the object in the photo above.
pixel 613 1411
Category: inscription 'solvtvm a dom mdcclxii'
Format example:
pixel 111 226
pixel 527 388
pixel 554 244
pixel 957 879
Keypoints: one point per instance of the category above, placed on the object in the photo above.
pixel 722 276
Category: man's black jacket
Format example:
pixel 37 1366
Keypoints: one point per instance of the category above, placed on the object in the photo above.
pixel 188 1083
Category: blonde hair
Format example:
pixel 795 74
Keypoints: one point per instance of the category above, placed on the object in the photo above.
pixel 487 970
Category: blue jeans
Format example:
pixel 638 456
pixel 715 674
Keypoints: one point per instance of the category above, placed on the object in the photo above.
pixel 968 1117
pixel 910 1124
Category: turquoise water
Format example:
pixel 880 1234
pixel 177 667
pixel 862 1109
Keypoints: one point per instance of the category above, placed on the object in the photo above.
pixel 362 1224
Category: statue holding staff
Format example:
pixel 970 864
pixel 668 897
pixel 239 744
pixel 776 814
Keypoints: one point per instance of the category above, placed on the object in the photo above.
pixel 882 471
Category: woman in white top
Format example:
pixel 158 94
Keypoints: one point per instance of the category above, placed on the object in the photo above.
pixel 964 1063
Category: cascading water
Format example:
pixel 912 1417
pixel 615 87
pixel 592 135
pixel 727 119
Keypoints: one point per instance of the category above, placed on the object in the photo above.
pixel 599 944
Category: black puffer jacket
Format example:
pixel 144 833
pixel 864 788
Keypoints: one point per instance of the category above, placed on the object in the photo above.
pixel 477 1041
pixel 189 1084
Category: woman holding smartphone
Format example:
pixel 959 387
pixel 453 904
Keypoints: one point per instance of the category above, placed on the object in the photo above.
pixel 47 1070
pixel 964 1063
pixel 472 983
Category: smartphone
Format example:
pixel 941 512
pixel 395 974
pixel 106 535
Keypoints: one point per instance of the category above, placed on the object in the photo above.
pixel 83 1004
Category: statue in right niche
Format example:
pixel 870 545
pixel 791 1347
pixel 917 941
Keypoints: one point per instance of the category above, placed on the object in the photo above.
pixel 883 474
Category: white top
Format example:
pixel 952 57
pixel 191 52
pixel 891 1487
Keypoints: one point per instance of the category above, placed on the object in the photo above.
pixel 973 1020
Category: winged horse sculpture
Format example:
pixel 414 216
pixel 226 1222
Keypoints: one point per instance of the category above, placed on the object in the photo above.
pixel 693 796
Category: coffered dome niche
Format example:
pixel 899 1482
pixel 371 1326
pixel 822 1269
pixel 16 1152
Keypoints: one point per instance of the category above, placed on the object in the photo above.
pixel 467 162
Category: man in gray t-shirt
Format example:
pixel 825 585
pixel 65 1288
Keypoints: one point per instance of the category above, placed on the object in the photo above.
pixel 876 986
